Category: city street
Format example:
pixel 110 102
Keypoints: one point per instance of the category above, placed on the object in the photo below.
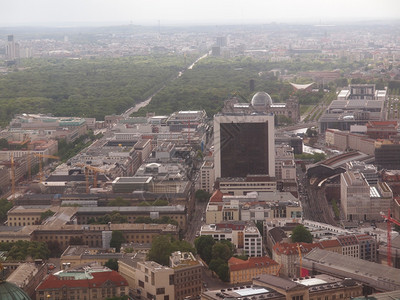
pixel 195 222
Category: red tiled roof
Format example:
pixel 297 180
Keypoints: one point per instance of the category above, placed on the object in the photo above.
pixel 291 248
pixel 99 278
pixel 329 244
pixel 233 226
pixel 216 196
pixel 382 123
pixel 236 264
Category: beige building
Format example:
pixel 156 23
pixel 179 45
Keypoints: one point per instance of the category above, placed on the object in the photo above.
pixel 207 177
pixel 27 276
pixel 75 256
pixel 361 201
pixel 155 281
pixel 217 212
pixel 285 168
pixel 243 271
pixel 187 275
pixel 127 269
pixel 345 140
pixel 91 235
pixel 242 186
pixel 24 216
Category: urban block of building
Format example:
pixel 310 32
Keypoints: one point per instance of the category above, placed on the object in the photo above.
pixel 84 283
pixel 243 271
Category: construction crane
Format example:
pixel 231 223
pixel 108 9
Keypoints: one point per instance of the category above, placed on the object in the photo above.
pixel 300 259
pixel 236 93
pixel 41 156
pixel 389 220
pixel 95 172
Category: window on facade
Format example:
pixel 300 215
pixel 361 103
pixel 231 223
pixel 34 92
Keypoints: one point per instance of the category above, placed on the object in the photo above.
pixel 160 291
pixel 141 283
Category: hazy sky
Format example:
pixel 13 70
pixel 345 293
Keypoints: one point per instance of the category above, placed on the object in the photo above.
pixel 171 12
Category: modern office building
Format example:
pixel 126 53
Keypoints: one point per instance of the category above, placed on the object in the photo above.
pixel 361 201
pixel 244 144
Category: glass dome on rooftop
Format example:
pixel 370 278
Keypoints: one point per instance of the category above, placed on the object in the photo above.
pixel 261 99
pixel 9 291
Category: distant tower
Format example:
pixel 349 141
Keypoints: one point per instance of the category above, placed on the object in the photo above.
pixel 12 49
pixel 222 41
pixel 252 85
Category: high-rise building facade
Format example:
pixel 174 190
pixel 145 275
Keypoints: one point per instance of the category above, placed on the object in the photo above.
pixel 12 49
pixel 244 145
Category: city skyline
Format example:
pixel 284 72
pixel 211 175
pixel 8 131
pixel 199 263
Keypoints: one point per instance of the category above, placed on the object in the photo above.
pixel 178 12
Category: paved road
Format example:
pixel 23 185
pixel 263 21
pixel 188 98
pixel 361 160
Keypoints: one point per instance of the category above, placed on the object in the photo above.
pixel 195 222
pixel 138 106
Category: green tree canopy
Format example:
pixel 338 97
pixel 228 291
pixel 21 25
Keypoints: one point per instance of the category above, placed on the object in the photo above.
pixel 5 206
pixel 204 244
pixel 115 217
pixel 162 220
pixel 117 238
pixel 21 250
pixel 112 263
pixel 301 235
pixel 119 201
pixel 163 246
pixel 46 214
pixel 222 251
pixel 202 195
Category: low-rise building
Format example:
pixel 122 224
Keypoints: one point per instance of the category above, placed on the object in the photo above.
pixel 174 212
pixel 273 287
pixel 27 276
pixel 79 255
pixel 243 271
pixel 83 283
pixel 245 237
pixel 242 186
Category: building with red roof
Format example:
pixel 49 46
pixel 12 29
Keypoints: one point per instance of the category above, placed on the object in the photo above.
pixel 243 271
pixel 86 283
pixel 382 129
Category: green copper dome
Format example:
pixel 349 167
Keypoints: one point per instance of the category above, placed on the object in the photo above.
pixel 9 291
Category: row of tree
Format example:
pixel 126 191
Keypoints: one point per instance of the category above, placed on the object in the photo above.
pixel 215 254
pixel 86 87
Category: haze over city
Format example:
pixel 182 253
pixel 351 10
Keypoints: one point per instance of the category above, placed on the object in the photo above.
pixel 199 150
pixel 181 12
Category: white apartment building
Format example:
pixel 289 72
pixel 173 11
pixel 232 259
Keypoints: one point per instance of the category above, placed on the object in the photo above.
pixel 207 176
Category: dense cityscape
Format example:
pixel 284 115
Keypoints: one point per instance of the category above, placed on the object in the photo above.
pixel 200 162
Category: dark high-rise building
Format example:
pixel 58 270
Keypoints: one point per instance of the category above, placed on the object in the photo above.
pixel 244 145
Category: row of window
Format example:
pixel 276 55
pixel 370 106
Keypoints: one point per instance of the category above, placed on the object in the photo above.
pixel 28 218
